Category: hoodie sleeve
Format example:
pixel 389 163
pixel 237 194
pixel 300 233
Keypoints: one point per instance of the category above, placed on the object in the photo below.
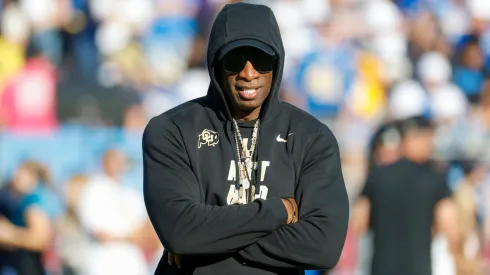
pixel 184 224
pixel 317 239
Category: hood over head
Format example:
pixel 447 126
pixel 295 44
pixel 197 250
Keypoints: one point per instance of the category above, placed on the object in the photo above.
pixel 241 21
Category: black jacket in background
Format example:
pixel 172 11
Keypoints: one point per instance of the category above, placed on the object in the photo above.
pixel 190 172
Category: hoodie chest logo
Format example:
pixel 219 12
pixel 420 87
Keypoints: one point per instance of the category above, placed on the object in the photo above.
pixel 207 137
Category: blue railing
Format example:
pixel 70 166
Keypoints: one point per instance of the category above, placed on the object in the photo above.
pixel 70 150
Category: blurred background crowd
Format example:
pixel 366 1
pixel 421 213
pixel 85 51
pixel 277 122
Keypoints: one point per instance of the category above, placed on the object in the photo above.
pixel 79 80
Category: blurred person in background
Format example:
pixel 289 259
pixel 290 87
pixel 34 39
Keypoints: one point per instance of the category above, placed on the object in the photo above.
pixel 433 71
pixel 468 250
pixel 469 70
pixel 114 216
pixel 407 99
pixel 45 18
pixel 449 108
pixel 327 73
pixel 385 145
pixel 425 36
pixel 468 136
pixel 9 203
pixel 72 240
pixel 384 149
pixel 402 201
pixel 27 234
pixel 14 30
pixel 477 136
pixel 28 100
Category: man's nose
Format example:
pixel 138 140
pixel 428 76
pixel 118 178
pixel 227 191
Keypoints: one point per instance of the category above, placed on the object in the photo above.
pixel 249 73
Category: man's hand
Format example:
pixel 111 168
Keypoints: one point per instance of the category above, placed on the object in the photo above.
pixel 292 208
pixel 174 259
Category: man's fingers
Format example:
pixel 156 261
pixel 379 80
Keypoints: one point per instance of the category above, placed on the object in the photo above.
pixel 170 258
pixel 174 259
pixel 297 209
pixel 178 260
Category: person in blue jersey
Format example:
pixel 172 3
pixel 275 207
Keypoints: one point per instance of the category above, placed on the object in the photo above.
pixel 25 232
pixel 326 75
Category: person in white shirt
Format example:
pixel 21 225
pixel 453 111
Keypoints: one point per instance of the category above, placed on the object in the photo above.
pixel 114 216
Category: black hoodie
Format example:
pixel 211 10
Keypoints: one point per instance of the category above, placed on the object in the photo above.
pixel 190 176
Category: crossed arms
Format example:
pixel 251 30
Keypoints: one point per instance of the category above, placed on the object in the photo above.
pixel 256 231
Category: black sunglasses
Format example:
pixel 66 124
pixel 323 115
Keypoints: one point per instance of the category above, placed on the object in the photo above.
pixel 235 61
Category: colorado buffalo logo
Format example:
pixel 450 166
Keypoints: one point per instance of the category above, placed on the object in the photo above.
pixel 208 137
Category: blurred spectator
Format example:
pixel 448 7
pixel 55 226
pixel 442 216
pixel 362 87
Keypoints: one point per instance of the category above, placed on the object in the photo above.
pixel 448 104
pixel 433 70
pixel 72 240
pixel 387 37
pixel 407 99
pixel 134 118
pixel 425 36
pixel 326 74
pixel 29 99
pixel 14 28
pixel 27 234
pixel 468 71
pixel 45 17
pixel 401 202
pixel 469 248
pixel 467 138
pixel 367 97
pixel 114 217
pixel 385 145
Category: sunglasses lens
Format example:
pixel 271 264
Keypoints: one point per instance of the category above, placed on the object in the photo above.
pixel 262 62
pixel 235 61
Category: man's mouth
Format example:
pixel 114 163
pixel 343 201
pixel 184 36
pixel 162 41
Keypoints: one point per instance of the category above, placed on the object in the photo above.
pixel 248 93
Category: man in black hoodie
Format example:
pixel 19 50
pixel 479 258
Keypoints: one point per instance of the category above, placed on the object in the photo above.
pixel 225 205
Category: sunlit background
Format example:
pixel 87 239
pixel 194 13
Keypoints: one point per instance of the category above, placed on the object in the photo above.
pixel 79 80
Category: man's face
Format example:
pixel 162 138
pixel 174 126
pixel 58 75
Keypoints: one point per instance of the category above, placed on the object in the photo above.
pixel 247 77
pixel 115 163
pixel 419 144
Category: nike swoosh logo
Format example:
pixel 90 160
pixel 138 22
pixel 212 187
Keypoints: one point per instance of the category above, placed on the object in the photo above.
pixel 279 139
